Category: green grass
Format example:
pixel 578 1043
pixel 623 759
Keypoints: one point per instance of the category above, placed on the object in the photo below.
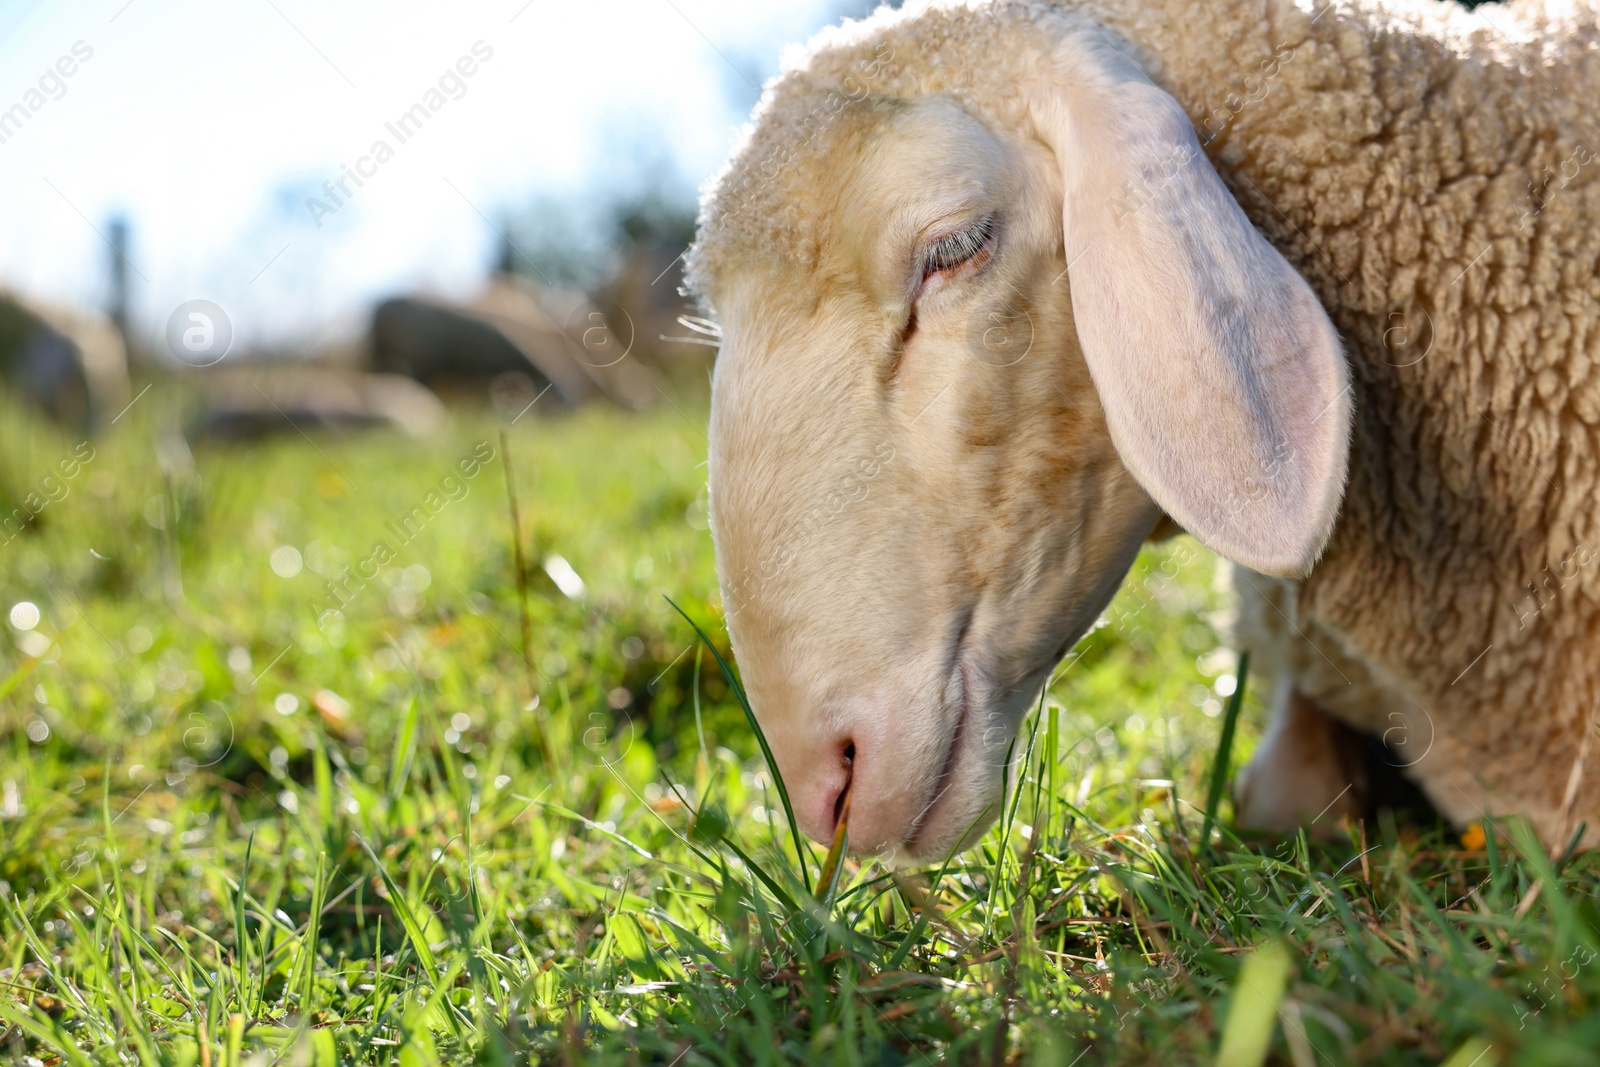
pixel 235 828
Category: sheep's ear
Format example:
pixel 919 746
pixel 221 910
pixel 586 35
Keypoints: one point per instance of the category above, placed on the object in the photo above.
pixel 1222 380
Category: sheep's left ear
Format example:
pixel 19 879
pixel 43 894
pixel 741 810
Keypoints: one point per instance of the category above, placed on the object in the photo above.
pixel 1223 383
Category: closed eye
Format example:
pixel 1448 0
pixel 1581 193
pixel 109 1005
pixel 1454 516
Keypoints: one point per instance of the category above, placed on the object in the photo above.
pixel 941 262
pixel 959 249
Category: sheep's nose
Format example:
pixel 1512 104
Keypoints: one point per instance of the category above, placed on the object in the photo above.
pixel 818 791
pixel 880 798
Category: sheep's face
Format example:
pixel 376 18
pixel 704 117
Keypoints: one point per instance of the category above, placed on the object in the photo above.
pixel 966 365
pixel 916 504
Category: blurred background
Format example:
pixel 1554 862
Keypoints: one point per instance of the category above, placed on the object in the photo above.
pixel 344 346
pixel 478 202
pixel 353 518
pixel 343 351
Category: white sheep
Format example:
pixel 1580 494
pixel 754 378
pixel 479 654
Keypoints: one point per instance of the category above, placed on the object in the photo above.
pixel 1007 288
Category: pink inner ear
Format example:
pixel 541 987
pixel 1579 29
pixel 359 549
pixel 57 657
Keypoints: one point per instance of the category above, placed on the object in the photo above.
pixel 1223 382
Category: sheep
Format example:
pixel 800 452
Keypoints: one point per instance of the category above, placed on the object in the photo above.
pixel 1006 289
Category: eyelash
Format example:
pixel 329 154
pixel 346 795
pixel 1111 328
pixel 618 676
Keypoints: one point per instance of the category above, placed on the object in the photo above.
pixel 944 256
pixel 948 253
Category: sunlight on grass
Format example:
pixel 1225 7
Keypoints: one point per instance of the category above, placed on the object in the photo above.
pixel 329 805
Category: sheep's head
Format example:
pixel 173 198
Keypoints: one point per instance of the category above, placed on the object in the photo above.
pixel 962 376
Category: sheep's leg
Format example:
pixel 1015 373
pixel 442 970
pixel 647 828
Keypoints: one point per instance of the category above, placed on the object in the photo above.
pixel 1307 770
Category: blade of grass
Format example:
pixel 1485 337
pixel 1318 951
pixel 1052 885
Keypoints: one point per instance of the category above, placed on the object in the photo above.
pixel 924 914
pixel 835 858
pixel 405 744
pixel 519 561
pixel 801 852
pixel 1253 1013
pixel 415 935
pixel 302 976
pixel 1219 765
pixel 241 938
pixel 48 1032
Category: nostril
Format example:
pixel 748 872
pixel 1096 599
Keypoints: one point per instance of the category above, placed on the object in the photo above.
pixel 840 802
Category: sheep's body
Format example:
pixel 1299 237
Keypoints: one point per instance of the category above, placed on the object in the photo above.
pixel 1431 172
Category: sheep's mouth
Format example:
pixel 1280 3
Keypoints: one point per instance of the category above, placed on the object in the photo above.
pixel 941 784
pixel 946 777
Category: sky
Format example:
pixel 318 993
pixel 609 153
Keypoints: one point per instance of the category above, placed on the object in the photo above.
pixel 214 126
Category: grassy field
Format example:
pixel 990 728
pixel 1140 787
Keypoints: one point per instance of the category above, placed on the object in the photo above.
pixel 283 781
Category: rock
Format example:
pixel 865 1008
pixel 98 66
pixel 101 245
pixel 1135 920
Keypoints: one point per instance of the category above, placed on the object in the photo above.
pixel 551 339
pixel 255 402
pixel 72 363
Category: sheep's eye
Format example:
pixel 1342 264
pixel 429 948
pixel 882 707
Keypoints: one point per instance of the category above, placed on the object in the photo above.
pixel 948 253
